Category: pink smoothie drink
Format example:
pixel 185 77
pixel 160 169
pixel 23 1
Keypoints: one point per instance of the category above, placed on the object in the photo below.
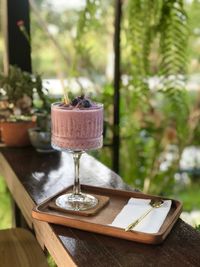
pixel 77 128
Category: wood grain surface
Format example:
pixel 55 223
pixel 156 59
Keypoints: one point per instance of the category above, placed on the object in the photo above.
pixel 33 177
pixel 102 202
pixel 19 248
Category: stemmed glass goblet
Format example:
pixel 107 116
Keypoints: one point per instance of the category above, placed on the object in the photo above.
pixel 76 130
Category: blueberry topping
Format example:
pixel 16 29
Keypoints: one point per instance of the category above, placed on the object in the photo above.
pixel 86 103
pixel 75 101
pixel 81 102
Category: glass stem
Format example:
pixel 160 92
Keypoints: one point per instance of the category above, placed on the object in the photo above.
pixel 76 157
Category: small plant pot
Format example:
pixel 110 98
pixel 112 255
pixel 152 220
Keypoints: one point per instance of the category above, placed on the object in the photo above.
pixel 15 134
pixel 40 140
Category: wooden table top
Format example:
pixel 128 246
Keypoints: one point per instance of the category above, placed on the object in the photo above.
pixel 33 177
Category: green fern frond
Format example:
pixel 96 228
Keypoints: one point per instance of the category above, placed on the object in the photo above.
pixel 173 42
pixel 139 37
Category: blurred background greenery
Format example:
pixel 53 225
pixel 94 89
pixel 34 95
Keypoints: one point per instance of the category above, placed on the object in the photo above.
pixel 72 47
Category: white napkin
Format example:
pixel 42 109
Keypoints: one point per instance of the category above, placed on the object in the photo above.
pixel 135 208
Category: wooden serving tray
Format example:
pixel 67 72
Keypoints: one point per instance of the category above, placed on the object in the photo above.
pixel 98 223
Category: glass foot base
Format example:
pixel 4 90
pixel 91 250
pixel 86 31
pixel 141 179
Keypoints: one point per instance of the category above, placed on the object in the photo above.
pixel 77 202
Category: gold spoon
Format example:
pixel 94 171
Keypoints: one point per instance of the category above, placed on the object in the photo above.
pixel 155 203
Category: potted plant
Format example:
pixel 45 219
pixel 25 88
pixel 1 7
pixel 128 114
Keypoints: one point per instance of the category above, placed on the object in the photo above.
pixel 17 90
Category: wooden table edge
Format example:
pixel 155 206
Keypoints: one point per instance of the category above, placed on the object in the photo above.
pixel 43 231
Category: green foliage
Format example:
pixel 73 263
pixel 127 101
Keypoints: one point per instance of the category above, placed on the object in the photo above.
pixel 5 210
pixel 50 261
pixel 16 84
pixel 18 88
pixel 198 227
pixel 94 32
pixel 188 194
pixel 154 126
pixel 91 13
pixel 193 10
pixel 149 121
pixel 173 28
pixel 155 121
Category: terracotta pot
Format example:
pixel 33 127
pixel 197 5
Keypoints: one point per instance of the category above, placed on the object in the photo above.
pixel 15 134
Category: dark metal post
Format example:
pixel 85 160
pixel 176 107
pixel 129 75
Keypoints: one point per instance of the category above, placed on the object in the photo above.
pixel 117 83
pixel 18 50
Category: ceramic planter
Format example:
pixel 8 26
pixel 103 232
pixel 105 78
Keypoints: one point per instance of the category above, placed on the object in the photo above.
pixel 40 139
pixel 15 134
